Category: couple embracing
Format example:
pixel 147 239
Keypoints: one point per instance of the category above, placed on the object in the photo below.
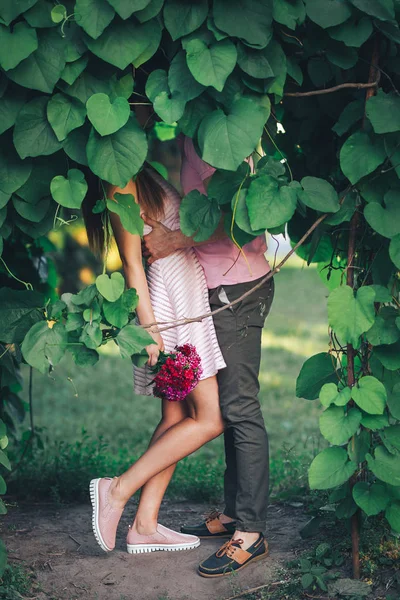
pixel 187 278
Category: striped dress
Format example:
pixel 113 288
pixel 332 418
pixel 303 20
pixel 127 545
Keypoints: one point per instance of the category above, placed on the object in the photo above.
pixel 178 289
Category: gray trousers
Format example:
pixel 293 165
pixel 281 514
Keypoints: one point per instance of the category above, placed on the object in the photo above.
pixel 239 329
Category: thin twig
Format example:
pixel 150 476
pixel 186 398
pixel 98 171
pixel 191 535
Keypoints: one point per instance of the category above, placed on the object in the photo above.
pixel 255 589
pixel 336 88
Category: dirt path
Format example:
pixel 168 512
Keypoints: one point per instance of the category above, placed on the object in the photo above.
pixel 57 542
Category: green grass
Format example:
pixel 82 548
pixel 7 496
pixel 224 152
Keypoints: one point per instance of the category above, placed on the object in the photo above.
pixel 118 424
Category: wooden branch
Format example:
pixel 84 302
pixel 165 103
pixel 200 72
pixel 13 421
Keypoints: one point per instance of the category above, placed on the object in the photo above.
pixel 336 88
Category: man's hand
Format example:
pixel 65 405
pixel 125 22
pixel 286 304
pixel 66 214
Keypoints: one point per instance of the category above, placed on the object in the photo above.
pixel 159 243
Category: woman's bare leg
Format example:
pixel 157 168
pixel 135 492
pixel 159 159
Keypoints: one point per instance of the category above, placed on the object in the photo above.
pixel 174 444
pixel 153 491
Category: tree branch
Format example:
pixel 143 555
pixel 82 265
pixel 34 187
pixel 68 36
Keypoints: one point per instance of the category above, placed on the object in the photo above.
pixel 336 88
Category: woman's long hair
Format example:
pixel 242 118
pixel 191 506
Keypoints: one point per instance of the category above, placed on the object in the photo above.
pixel 150 197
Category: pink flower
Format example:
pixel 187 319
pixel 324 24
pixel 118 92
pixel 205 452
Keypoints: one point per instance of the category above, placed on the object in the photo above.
pixel 177 373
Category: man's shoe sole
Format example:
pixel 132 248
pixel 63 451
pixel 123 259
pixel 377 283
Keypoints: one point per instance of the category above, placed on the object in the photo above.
pixel 214 535
pixel 94 498
pixel 142 548
pixel 230 571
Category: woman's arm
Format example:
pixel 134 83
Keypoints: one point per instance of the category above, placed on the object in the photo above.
pixel 130 251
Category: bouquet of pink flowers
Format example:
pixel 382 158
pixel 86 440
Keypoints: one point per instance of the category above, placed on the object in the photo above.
pixel 177 374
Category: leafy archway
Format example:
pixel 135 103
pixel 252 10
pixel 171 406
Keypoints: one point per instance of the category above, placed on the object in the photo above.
pixel 228 73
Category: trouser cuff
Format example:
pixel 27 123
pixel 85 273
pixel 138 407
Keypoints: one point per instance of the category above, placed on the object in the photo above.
pixel 255 527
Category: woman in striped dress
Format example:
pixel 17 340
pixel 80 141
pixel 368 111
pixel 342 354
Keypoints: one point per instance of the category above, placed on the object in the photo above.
pixel 169 289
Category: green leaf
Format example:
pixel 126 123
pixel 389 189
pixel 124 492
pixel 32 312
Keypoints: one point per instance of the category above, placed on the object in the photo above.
pixel 93 16
pixel 4 460
pixel 199 216
pixel 385 220
pixel 75 144
pixel 382 294
pixel 65 114
pixel 181 17
pixel 181 80
pixel 33 135
pixel 359 445
pixel 250 21
pixel 117 312
pixel 107 117
pixel 277 59
pixel 370 395
pixel 254 62
pixel 152 9
pixel 132 340
pixel 195 111
pixel 330 468
pixel 389 356
pixel 336 426
pixel 13 172
pixel 116 158
pixel 350 587
pixel 351 314
pixel 374 422
pixel 211 62
pixel 111 288
pixel 223 139
pixel 353 33
pixel 31 212
pixel 381 9
pixel 58 13
pixel 224 184
pixel 391 438
pixel 379 107
pixel 168 105
pixel 43 68
pixel 334 13
pixel 74 322
pixel 10 9
pixel 126 7
pixel 270 205
pixel 72 70
pixel 128 210
pixel 44 347
pixel 126 42
pixel 19 310
pixel 351 113
pixel 372 499
pixel 393 516
pixel 315 372
pixel 385 466
pixel 83 356
pixel 306 580
pixel 384 330
pixel 11 103
pixel 289 13
pixel 69 191
pixel 91 335
pixel 16 45
pixel 329 394
pixel 319 195
pixel 360 155
pixel 394 250
pixel 3 485
pixel 40 14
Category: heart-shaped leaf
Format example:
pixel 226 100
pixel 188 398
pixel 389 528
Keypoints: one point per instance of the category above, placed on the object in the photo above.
pixel 10 9
pixel 211 62
pixel 250 21
pixel 93 16
pixel 270 205
pixel 330 468
pixel 385 220
pixel 379 107
pixel 385 466
pixel 329 394
pixel 125 9
pixel 33 135
pixel 117 313
pixel 111 288
pixel 181 80
pixel 223 140
pixel 181 17
pixel 128 210
pixel 351 315
pixel 394 250
pixel 360 155
pixel 371 498
pixel 116 158
pixel 370 395
pixel 70 191
pixel 17 45
pixel 199 216
pixel 337 426
pixel 107 117
pixel 319 194
pixel 317 371
pixel 132 340
pixel 65 114
pixel 168 105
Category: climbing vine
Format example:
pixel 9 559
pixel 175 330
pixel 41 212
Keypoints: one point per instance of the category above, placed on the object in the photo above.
pixel 318 83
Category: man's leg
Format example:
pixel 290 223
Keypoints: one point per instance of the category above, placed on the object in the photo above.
pixel 239 334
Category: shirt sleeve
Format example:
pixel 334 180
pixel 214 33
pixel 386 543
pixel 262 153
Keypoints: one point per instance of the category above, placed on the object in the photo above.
pixel 202 168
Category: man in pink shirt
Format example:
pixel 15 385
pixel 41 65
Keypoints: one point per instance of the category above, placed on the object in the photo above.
pixel 239 331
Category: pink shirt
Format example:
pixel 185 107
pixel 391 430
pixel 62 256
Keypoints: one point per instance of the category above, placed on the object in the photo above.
pixel 221 260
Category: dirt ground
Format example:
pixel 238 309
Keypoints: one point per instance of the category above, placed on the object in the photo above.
pixel 58 544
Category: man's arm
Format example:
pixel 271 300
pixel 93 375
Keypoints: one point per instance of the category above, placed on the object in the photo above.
pixel 162 242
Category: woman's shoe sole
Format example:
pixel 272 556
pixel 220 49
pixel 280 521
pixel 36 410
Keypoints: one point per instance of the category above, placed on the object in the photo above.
pixel 143 548
pixel 229 571
pixel 94 498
